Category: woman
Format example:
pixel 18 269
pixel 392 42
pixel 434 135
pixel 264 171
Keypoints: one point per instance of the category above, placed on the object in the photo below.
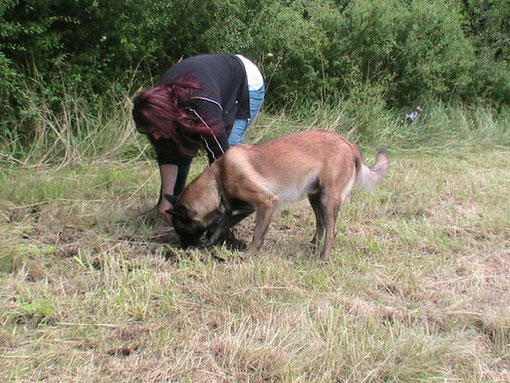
pixel 206 100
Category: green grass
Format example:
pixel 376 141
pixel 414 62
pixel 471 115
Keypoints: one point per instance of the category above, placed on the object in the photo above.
pixel 92 287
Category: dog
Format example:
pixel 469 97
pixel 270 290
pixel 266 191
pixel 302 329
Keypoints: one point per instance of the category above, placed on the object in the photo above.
pixel 318 164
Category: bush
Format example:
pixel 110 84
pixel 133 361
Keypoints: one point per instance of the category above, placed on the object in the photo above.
pixel 308 49
pixel 400 52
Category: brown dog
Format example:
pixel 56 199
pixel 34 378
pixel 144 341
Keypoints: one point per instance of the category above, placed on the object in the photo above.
pixel 320 165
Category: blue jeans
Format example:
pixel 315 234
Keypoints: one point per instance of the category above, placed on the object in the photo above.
pixel 241 125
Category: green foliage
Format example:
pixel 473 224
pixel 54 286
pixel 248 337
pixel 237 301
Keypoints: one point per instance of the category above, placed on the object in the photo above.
pixel 57 54
pixel 436 58
pixel 490 25
pixel 293 45
pixel 413 49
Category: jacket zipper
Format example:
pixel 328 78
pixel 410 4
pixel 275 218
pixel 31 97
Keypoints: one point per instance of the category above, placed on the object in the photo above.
pixel 208 99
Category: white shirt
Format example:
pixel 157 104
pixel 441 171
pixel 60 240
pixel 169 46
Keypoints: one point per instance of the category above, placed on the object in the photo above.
pixel 255 79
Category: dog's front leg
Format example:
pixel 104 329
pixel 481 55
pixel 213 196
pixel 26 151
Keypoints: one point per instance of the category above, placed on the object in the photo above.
pixel 262 220
pixel 226 222
pixel 217 229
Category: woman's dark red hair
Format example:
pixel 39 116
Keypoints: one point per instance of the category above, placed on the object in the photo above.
pixel 164 108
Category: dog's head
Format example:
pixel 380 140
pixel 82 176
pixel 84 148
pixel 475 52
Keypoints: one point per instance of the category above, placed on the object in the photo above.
pixel 188 224
pixel 189 229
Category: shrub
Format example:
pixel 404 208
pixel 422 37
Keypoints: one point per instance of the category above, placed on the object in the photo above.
pixel 400 52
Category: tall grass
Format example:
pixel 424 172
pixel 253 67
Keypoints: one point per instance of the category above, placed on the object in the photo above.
pixel 367 121
pixel 70 127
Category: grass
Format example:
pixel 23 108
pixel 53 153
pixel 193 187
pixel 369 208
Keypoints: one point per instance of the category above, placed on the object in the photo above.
pixel 92 287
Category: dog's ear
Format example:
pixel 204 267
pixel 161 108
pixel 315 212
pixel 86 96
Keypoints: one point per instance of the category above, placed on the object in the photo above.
pixel 183 213
pixel 179 211
pixel 171 198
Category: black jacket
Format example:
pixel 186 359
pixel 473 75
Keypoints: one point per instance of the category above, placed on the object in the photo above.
pixel 223 98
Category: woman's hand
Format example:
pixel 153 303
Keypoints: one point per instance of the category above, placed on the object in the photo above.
pixel 164 206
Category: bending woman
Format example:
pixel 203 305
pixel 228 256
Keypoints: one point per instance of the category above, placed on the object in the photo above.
pixel 206 100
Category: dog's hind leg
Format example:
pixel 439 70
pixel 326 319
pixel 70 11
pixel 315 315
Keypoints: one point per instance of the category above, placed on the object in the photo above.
pixel 315 201
pixel 330 205
pixel 332 198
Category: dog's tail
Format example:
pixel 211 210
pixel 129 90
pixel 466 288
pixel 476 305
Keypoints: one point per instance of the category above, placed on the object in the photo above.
pixel 369 177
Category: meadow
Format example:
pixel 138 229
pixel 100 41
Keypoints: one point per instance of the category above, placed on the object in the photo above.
pixel 93 287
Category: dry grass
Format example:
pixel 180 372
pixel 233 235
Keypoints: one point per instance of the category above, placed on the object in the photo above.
pixel 92 289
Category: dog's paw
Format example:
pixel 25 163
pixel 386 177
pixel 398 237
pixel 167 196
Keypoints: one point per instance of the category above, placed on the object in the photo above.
pixel 248 252
pixel 229 240
pixel 204 245
pixel 235 244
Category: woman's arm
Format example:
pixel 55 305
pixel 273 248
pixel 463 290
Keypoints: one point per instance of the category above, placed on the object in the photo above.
pixel 168 178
